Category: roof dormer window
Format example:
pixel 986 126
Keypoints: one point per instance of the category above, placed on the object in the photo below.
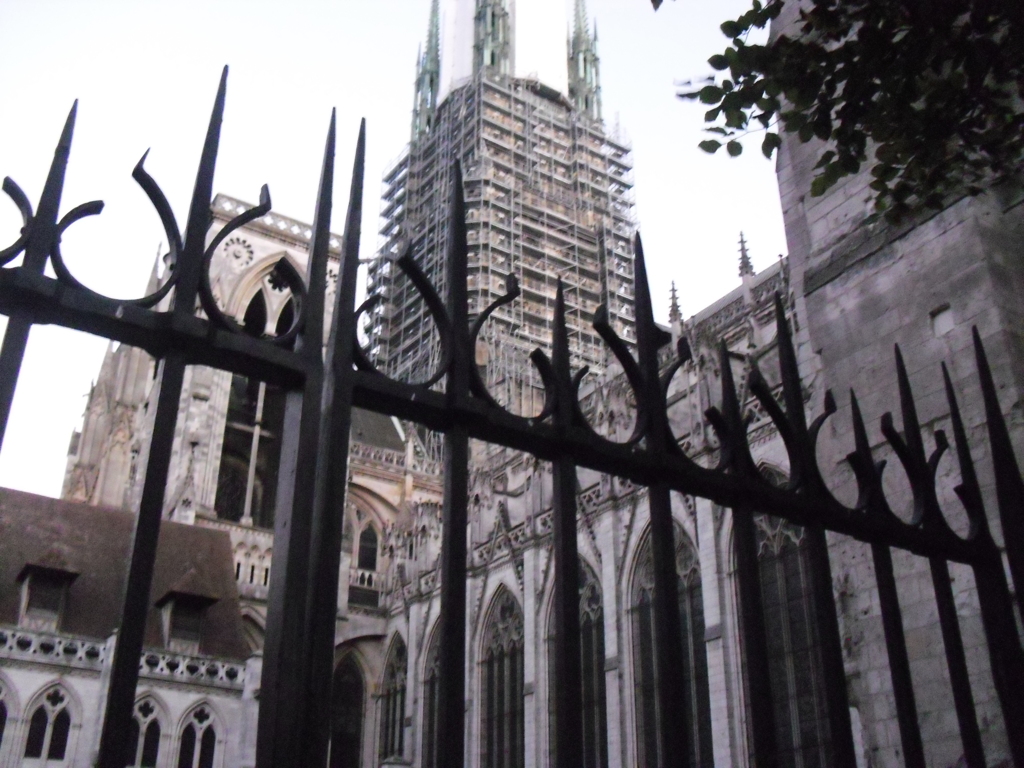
pixel 183 614
pixel 43 596
pixel 186 623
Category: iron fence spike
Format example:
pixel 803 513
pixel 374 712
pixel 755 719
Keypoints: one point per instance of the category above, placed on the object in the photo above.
pixel 969 490
pixel 1009 485
pixel 198 222
pixel 319 251
pixel 44 223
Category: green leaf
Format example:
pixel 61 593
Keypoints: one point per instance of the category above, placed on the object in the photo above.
pixel 734 148
pixel 731 29
pixel 719 62
pixel 711 94
pixel 710 146
pixel 819 185
pixel 825 159
pixel 771 142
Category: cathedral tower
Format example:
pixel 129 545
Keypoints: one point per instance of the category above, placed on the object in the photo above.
pixel 548 194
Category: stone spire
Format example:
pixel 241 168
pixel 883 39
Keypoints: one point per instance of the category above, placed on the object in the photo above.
pixel 492 38
pixel 674 314
pixel 746 267
pixel 428 76
pixel 584 66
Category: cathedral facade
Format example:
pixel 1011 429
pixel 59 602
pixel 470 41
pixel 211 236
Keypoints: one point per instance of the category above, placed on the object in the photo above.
pixel 547 197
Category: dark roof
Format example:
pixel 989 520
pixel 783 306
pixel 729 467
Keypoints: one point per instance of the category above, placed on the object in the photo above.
pixel 376 429
pixel 95 543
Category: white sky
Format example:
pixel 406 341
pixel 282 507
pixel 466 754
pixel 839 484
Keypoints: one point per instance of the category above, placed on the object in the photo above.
pixel 146 73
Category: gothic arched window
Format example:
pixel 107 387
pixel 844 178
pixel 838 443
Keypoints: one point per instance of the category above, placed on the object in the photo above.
pixel 392 702
pixel 431 703
pixel 251 451
pixel 48 730
pixel 696 715
pixel 346 714
pixel 144 736
pixel 368 549
pixel 794 649
pixel 501 708
pixel 595 723
pixel 198 743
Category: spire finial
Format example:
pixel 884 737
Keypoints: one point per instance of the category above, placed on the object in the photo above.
pixel 428 75
pixel 433 34
pixel 674 314
pixel 584 65
pixel 580 18
pixel 746 267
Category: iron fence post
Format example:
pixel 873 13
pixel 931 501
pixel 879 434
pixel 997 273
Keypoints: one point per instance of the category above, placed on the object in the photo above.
pixel 332 456
pixel 451 724
pixel 124 674
pixel 568 669
pixel 40 231
pixel 761 707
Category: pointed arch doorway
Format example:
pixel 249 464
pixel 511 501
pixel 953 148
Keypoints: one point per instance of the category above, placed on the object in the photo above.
pixel 347 714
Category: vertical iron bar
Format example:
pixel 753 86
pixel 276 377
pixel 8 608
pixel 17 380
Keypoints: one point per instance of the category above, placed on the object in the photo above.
pixel 568 672
pixel 804 473
pixel 42 232
pixel 128 649
pixel 452 649
pixel 1005 654
pixel 668 646
pixel 872 501
pixel 840 727
pixel 288 703
pixel 670 678
pixel 568 662
pixel 899 662
pixel 1009 485
pixel 280 681
pixel 736 455
pixel 11 355
pixel 124 674
pixel 332 457
pixel 760 708
pixel 956 661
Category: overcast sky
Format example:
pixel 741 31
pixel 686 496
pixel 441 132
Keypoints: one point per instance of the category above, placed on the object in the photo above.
pixel 146 73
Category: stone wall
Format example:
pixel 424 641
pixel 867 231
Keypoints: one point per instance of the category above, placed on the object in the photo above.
pixel 861 288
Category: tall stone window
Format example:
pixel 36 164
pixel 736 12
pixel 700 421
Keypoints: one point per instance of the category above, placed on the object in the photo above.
pixel 392 702
pixel 501 708
pixel 347 714
pixel 368 549
pixel 247 478
pixel 431 702
pixel 49 729
pixel 198 744
pixel 794 648
pixel 364 582
pixel 595 721
pixel 144 736
pixel 696 715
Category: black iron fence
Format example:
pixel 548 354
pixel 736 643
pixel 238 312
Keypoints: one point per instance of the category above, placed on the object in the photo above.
pixel 294 710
